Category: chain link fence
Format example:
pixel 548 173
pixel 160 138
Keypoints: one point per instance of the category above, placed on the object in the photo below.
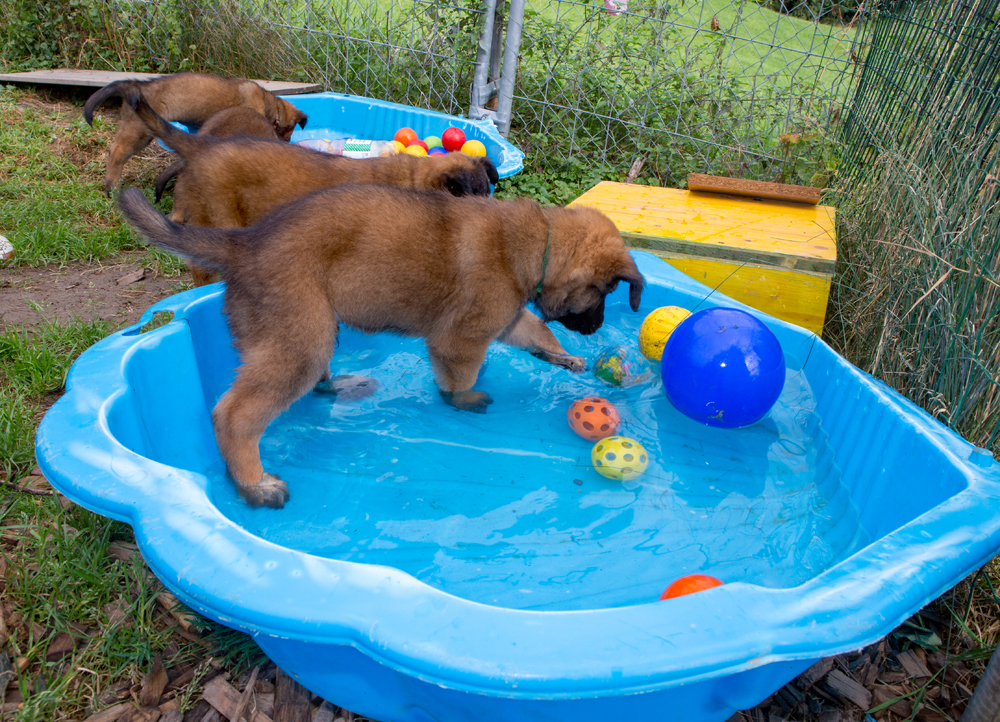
pixel 729 86
pixel 917 299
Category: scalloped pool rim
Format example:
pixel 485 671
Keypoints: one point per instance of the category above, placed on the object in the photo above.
pixel 245 582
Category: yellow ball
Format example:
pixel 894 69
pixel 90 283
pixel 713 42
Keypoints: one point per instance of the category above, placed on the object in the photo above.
pixel 656 329
pixel 619 458
pixel 415 150
pixel 473 147
pixel 399 147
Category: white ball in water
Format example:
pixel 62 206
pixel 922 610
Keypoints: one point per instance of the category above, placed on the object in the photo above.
pixel 6 249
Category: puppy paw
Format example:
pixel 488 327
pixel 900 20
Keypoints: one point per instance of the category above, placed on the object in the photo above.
pixel 474 401
pixel 269 491
pixel 348 388
pixel 576 364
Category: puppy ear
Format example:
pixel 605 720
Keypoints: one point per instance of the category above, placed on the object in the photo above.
pixel 491 170
pixel 302 120
pixel 453 185
pixel 635 282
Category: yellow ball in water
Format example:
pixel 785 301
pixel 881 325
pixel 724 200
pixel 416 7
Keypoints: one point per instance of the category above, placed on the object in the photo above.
pixel 619 458
pixel 656 329
pixel 415 150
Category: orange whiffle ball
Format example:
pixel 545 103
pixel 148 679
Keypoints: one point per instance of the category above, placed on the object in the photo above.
pixel 593 418
pixel 689 585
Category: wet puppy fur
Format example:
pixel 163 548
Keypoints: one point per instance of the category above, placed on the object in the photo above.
pixel 228 123
pixel 232 182
pixel 189 98
pixel 457 272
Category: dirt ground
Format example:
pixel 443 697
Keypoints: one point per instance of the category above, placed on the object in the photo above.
pixel 116 293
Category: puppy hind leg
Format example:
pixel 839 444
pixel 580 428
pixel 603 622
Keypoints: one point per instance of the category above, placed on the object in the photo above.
pixel 530 333
pixel 266 385
pixel 131 138
pixel 202 276
pixel 456 366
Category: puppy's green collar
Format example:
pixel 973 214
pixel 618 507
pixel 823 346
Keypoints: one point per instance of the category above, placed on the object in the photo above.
pixel 545 262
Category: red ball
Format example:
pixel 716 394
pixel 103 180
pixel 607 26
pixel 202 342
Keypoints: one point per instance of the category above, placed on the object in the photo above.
pixel 690 584
pixel 417 141
pixel 453 139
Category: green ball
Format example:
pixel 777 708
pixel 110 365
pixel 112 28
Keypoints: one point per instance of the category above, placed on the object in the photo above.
pixel 433 141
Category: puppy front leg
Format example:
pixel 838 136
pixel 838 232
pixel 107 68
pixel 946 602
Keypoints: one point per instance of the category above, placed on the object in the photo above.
pixel 456 364
pixel 530 333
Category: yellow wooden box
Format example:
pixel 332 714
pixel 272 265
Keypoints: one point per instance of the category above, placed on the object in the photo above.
pixel 775 256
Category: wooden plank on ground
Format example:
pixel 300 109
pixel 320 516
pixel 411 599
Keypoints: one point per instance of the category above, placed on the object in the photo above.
pixel 753 189
pixel 100 78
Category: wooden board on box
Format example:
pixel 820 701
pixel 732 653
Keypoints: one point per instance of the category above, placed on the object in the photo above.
pixel 774 255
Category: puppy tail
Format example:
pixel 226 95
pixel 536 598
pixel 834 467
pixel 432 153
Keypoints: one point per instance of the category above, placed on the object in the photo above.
pixel 181 142
pixel 119 87
pixel 172 171
pixel 208 247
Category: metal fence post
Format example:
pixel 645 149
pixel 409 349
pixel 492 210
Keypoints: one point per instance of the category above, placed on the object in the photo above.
pixel 512 48
pixel 482 87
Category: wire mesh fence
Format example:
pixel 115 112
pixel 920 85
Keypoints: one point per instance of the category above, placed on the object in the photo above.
pixel 683 85
pixel 918 293
pixel 700 86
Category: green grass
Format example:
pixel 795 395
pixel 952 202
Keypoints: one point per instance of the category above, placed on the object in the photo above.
pixel 33 365
pixel 58 571
pixel 52 203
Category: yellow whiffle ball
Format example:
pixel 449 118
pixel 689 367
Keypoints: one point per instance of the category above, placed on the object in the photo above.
pixel 656 329
pixel 619 458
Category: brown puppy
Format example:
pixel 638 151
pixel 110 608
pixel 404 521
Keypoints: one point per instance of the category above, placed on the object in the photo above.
pixel 457 272
pixel 233 182
pixel 224 124
pixel 190 98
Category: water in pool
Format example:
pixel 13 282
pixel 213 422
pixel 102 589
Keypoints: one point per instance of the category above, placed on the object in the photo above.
pixel 505 509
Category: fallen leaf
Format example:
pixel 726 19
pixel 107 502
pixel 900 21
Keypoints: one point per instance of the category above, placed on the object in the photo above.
pixel 61 645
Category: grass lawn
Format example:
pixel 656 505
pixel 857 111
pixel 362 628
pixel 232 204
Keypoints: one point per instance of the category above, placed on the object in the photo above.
pixel 83 620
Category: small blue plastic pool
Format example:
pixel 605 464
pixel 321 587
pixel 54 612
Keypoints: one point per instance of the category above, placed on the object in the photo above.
pixel 336 115
pixel 440 565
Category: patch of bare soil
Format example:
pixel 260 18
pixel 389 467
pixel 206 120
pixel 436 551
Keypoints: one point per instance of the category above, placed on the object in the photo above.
pixel 117 293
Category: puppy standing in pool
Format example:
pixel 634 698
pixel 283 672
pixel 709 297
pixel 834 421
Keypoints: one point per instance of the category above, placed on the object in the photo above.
pixel 457 272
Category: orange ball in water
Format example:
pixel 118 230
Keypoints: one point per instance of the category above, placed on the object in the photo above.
pixel 593 418
pixel 690 584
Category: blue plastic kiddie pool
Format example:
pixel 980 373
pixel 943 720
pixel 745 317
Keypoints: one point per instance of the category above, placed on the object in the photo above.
pixel 335 116
pixel 441 565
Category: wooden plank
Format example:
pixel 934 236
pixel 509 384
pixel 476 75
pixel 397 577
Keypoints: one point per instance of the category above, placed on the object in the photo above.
pixel 711 251
pixel 776 228
pixel 753 189
pixel 100 78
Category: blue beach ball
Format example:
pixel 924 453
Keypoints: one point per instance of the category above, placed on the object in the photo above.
pixel 723 367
